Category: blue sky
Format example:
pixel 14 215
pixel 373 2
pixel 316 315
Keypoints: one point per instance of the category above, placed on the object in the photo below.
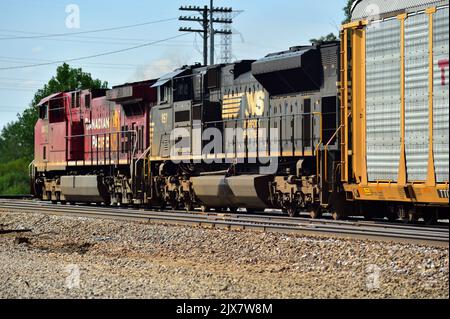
pixel 263 27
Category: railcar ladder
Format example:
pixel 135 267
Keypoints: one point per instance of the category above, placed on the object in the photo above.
pixel 345 86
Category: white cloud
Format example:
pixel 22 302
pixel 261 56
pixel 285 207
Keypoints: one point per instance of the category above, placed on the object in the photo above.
pixel 157 68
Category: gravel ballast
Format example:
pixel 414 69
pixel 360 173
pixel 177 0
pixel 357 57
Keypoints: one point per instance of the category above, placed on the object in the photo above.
pixel 68 257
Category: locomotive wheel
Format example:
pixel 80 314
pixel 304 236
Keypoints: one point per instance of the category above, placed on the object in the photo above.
pixel 392 217
pixel 174 205
pixel 412 217
pixel 56 200
pixel 430 219
pixel 189 207
pixel 316 213
pixel 204 209
pixel 293 212
pixel 338 215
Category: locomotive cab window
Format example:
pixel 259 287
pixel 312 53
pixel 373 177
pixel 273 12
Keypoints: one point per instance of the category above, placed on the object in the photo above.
pixel 164 92
pixel 56 111
pixel 87 101
pixel 182 90
pixel 76 100
pixel 43 112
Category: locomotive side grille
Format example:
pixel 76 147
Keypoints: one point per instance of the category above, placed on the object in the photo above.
pixel 329 58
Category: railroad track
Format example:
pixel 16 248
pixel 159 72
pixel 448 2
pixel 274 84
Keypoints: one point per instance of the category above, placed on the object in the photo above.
pixel 16 196
pixel 432 235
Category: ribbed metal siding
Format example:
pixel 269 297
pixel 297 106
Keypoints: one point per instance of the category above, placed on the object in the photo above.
pixel 440 99
pixel 383 100
pixel 416 97
pixel 382 7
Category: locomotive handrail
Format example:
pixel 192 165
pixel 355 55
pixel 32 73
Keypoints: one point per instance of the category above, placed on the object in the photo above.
pixel 269 117
pixel 140 158
pixel 30 171
pixel 334 136
pixel 320 143
pixel 93 134
pixel 31 174
pixel 134 147
pixel 326 150
pixel 134 132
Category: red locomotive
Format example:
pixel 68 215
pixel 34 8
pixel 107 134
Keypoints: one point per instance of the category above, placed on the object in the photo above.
pixel 85 135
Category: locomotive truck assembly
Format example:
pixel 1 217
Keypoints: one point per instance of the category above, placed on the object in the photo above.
pixel 356 127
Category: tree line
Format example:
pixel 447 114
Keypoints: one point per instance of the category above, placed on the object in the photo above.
pixel 17 138
pixel 331 36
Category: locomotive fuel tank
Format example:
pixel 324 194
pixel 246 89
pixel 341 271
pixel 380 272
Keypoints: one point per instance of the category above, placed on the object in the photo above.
pixel 88 188
pixel 246 191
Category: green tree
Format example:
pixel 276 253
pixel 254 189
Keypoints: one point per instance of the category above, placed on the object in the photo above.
pixel 327 38
pixel 17 138
pixel 332 37
pixel 348 11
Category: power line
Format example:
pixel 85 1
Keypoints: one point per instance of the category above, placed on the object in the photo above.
pixel 115 66
pixel 207 21
pixel 17 89
pixel 174 44
pixel 12 109
pixel 20 79
pixel 87 32
pixel 92 56
pixel 70 35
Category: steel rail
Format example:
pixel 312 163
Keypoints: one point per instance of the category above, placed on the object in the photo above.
pixel 250 218
pixel 267 217
pixel 429 235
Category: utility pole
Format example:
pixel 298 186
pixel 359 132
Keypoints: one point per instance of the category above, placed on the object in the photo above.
pixel 207 22
pixel 211 31
pixel 204 21
pixel 226 55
